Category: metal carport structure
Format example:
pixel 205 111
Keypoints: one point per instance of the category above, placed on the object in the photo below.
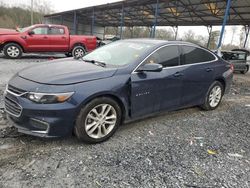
pixel 153 13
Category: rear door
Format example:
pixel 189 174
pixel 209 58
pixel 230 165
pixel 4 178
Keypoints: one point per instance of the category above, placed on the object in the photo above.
pixel 156 91
pixel 39 41
pixel 198 67
pixel 59 40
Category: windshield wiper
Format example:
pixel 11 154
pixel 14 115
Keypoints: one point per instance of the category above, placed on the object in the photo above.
pixel 99 63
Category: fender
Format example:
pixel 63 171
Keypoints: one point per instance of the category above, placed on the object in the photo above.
pixel 18 39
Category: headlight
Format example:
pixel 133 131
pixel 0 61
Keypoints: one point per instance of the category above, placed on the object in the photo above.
pixel 49 98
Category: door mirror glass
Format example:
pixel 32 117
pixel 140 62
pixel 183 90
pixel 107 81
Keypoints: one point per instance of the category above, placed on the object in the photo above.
pixel 150 67
pixel 31 32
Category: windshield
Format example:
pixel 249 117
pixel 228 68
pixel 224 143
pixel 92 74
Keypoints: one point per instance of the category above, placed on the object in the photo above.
pixel 21 30
pixel 118 53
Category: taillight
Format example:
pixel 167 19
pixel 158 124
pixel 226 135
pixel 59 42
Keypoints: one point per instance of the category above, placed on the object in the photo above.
pixel 232 67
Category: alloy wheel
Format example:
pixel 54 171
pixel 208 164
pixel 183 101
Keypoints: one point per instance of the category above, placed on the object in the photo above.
pixel 100 121
pixel 13 51
pixel 215 96
pixel 79 52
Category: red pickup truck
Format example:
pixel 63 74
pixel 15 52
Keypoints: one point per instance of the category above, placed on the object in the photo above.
pixel 44 38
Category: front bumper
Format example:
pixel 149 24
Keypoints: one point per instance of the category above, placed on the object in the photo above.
pixel 42 120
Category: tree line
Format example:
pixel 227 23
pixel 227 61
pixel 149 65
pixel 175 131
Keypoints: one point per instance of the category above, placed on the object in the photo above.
pixel 20 16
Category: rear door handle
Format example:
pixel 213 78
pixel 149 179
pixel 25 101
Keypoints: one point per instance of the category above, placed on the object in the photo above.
pixel 209 69
pixel 178 74
pixel 45 37
pixel 63 37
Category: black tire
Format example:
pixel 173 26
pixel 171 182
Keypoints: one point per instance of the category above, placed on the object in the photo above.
pixel 69 54
pixel 245 71
pixel 80 127
pixel 207 105
pixel 12 51
pixel 78 51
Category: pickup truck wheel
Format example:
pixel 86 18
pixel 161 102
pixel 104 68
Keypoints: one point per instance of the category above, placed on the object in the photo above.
pixel 245 71
pixel 12 51
pixel 98 120
pixel 78 51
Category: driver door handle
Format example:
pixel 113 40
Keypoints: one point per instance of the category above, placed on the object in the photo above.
pixel 209 69
pixel 178 74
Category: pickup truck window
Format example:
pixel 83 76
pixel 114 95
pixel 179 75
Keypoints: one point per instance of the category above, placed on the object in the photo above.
pixel 40 31
pixel 56 31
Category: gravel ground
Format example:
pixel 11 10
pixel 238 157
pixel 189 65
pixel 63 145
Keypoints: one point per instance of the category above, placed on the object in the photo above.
pixel 186 148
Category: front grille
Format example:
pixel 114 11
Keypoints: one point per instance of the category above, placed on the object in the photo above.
pixel 15 90
pixel 12 107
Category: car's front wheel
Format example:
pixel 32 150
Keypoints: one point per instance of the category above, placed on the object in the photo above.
pixel 12 51
pixel 213 96
pixel 98 120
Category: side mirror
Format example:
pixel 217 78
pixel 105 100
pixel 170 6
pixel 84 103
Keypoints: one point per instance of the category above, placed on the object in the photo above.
pixel 31 32
pixel 150 67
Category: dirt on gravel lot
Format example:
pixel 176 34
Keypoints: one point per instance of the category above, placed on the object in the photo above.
pixel 185 148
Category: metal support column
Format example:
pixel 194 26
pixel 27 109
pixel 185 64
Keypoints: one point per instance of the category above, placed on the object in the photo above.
pixel 224 23
pixel 61 19
pixel 122 21
pixel 75 23
pixel 247 29
pixel 93 22
pixel 151 31
pixel 155 20
pixel 209 30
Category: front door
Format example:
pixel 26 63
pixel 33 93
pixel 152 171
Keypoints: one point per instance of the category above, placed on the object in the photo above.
pixel 157 91
pixel 39 40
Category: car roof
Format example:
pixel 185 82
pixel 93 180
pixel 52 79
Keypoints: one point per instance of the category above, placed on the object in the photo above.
pixel 158 42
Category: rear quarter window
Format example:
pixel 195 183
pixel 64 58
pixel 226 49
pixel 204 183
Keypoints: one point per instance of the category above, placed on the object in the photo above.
pixel 193 55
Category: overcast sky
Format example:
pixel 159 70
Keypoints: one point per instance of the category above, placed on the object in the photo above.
pixel 63 5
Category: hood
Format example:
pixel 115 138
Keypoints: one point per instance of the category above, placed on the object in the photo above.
pixel 8 31
pixel 66 71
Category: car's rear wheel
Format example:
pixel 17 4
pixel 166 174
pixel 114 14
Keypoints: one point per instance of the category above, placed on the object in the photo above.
pixel 213 96
pixel 78 51
pixel 12 51
pixel 98 120
pixel 245 71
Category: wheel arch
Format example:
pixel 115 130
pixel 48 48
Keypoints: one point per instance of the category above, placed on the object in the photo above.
pixel 78 44
pixel 117 99
pixel 15 42
pixel 223 82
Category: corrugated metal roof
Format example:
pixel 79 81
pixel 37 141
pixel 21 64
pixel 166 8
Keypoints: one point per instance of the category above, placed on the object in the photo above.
pixel 170 13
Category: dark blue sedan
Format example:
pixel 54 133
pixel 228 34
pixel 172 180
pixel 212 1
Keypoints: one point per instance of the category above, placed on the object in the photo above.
pixel 119 82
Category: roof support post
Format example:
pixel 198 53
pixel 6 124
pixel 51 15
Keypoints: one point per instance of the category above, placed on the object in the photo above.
pixel 155 20
pixel 224 23
pixel 75 23
pixel 62 19
pixel 209 29
pixel 247 28
pixel 122 21
pixel 93 22
pixel 175 30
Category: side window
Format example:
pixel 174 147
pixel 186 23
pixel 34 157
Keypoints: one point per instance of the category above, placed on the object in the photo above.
pixel 192 55
pixel 167 56
pixel 56 31
pixel 40 31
